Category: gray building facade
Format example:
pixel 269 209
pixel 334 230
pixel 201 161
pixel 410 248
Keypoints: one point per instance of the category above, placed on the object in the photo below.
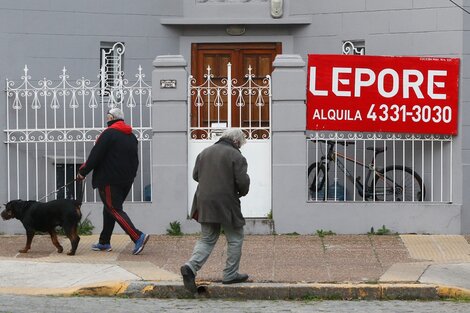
pixel 170 39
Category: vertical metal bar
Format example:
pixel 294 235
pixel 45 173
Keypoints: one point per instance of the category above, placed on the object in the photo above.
pixel 250 95
pixel 403 172
pixel 140 89
pixel 240 106
pixel 422 161
pixel 46 136
pixel 355 171
pixel 394 166
pixel 229 95
pixel 65 130
pixel 335 181
pixel 130 90
pixel 189 102
pixel 269 104
pixel 365 187
pixel 344 173
pixel 375 166
pixel 451 171
pixel 308 142
pixel 8 140
pixel 442 169
pixel 36 154
pixel 413 168
pixel 385 166
pixel 18 171
pixel 317 166
pixel 17 145
pixel 218 102
pixel 208 101
pixel 104 85
pixel 260 105
pixel 326 170
pixel 74 122
pixel 432 170
pixel 28 134
pixel 91 92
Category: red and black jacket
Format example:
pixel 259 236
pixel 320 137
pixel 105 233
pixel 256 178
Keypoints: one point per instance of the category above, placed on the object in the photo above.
pixel 114 158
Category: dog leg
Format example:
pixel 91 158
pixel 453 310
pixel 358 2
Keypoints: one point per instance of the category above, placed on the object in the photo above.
pixel 29 239
pixel 74 240
pixel 55 241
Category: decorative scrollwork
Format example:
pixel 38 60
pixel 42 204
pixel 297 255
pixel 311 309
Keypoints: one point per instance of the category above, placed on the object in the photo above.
pixel 350 49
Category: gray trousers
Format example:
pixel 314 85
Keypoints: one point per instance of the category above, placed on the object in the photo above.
pixel 203 248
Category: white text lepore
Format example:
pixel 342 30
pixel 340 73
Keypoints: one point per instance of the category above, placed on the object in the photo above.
pixel 349 82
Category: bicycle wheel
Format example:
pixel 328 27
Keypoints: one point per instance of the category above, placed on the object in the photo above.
pixel 399 184
pixel 316 182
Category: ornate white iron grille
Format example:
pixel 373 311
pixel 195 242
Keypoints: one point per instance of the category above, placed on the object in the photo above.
pixel 356 47
pixel 379 167
pixel 214 107
pixel 52 126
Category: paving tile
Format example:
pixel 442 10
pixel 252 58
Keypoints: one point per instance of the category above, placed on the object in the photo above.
pixel 439 248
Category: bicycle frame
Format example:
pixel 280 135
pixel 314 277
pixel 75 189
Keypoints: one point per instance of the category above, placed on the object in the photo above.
pixel 333 155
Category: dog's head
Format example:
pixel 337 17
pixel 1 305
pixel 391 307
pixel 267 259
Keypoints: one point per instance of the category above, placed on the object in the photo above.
pixel 14 209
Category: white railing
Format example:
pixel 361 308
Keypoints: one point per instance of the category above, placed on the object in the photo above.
pixel 379 167
pixel 52 126
pixel 215 107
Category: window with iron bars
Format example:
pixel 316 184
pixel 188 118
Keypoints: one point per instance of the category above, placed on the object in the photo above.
pixel 111 65
pixel 379 167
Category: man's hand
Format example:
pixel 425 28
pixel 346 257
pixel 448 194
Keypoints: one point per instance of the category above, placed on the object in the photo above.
pixel 80 177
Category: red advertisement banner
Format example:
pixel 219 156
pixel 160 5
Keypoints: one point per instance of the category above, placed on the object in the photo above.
pixel 382 94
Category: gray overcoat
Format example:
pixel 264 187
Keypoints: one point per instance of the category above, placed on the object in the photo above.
pixel 221 171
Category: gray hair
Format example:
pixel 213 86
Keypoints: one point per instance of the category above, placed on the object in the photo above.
pixel 236 135
pixel 116 113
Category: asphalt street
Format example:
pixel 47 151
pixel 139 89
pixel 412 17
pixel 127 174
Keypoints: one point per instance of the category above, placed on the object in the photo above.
pixel 28 304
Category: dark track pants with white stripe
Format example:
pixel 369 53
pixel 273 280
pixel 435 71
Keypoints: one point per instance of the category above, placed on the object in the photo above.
pixel 113 197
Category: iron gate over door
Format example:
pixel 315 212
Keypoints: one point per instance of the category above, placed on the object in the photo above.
pixel 52 126
pixel 217 107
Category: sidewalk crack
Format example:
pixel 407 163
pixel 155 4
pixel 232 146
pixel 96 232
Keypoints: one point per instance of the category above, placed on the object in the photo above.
pixel 375 252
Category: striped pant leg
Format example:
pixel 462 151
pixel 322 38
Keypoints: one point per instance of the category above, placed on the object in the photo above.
pixel 113 197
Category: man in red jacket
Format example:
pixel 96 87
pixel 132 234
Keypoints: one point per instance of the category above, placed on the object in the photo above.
pixel 114 161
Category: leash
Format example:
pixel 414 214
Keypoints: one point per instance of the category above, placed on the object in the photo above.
pixel 60 188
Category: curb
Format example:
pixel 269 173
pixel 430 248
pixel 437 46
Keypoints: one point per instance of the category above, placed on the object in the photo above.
pixel 277 291
pixel 453 292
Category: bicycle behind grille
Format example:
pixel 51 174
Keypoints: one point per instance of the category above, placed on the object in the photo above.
pixel 327 178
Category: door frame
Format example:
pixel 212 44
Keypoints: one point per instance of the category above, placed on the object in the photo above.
pixel 257 152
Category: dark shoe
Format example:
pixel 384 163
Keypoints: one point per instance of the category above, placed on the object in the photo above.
pixel 188 279
pixel 240 278
pixel 140 243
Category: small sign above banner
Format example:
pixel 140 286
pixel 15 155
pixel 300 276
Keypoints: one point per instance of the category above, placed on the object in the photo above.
pixel 382 94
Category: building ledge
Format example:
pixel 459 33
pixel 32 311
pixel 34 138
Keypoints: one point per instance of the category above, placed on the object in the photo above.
pixel 236 21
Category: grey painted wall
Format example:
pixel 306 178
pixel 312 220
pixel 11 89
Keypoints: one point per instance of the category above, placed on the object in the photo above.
pixel 464 139
pixel 48 34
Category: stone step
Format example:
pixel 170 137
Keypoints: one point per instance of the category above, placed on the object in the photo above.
pixel 259 226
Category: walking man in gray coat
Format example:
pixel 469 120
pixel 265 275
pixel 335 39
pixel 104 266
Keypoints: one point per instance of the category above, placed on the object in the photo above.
pixel 221 171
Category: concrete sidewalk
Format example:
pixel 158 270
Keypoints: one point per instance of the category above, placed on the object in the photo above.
pixel 280 267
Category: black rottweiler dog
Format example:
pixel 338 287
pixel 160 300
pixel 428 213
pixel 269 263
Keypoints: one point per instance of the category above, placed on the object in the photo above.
pixel 45 217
